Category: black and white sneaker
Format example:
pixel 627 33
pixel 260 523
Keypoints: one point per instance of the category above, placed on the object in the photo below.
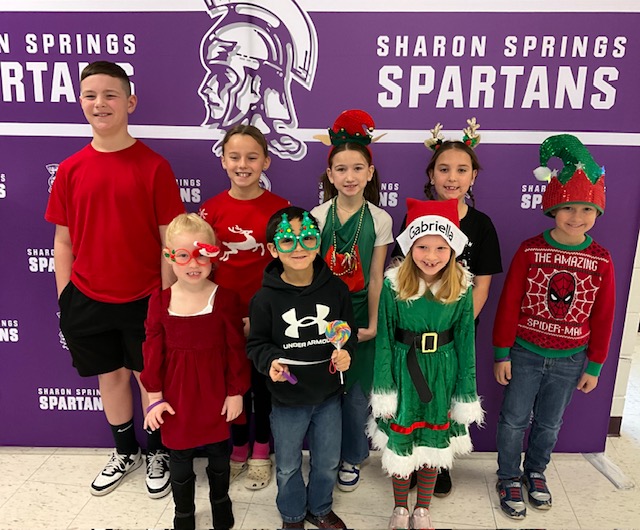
pixel 158 478
pixel 115 470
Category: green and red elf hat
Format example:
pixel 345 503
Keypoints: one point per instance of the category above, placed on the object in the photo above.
pixel 352 126
pixel 581 181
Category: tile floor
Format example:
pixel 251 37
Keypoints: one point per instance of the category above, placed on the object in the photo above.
pixel 48 488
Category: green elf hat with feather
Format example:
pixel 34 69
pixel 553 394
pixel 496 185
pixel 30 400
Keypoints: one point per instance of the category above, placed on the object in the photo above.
pixel 581 181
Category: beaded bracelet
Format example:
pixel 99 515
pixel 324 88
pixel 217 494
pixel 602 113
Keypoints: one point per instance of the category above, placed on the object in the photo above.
pixel 504 359
pixel 155 405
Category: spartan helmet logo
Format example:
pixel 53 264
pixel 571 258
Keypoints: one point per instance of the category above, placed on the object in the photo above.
pixel 252 52
pixel 562 287
pixel 52 169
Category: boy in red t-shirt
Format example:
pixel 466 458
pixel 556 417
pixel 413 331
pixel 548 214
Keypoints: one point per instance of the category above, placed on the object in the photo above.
pixel 111 202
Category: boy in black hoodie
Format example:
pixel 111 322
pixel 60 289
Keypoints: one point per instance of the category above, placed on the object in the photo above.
pixel 289 314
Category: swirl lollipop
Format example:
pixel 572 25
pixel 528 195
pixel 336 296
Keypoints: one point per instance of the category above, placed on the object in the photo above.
pixel 338 333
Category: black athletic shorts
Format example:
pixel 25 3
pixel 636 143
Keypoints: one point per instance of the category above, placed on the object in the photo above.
pixel 102 337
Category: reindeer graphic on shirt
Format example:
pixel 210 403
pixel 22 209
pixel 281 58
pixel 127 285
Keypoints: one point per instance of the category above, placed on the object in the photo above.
pixel 235 247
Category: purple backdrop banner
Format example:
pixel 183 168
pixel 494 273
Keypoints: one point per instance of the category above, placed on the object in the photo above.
pixel 290 70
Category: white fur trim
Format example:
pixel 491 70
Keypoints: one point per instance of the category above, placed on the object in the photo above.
pixel 467 412
pixel 384 405
pixel 394 464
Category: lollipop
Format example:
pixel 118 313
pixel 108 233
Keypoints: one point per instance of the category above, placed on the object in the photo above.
pixel 338 333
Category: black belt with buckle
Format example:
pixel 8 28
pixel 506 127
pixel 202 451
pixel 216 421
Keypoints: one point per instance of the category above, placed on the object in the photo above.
pixel 427 342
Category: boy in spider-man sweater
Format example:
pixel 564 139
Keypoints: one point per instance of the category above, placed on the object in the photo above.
pixel 555 314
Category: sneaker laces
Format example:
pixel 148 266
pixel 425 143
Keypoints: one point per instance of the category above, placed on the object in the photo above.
pixel 157 464
pixel 116 464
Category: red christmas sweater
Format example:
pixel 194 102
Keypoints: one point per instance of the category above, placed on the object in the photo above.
pixel 554 296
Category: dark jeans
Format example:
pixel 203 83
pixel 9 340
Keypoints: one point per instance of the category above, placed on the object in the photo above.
pixel 543 386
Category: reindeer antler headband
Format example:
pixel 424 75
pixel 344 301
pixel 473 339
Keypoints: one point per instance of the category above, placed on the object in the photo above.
pixel 471 136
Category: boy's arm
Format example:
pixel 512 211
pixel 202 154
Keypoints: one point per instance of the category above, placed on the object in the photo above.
pixel 62 257
pixel 601 322
pixel 506 322
pixel 261 349
pixel 166 272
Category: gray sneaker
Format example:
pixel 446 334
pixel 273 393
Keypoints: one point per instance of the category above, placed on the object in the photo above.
pixel 115 470
pixel 539 494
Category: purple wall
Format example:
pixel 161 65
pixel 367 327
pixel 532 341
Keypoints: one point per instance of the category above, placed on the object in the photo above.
pixel 337 61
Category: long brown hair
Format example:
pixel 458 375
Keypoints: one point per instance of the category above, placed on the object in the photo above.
pixel 446 146
pixel 372 189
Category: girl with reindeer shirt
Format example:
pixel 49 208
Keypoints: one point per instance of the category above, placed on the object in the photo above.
pixel 239 217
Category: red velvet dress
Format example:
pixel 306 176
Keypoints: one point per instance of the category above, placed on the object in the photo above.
pixel 196 362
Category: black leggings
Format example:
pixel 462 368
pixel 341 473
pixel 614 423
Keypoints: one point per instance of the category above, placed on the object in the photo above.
pixel 181 460
pixel 258 400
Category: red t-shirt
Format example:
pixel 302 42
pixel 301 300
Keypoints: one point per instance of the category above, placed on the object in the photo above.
pixel 112 204
pixel 240 229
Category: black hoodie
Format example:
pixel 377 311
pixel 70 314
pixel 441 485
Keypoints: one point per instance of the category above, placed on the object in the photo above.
pixel 289 321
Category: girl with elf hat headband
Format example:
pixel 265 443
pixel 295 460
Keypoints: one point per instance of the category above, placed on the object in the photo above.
pixel 355 235
pixel 553 325
pixel 424 385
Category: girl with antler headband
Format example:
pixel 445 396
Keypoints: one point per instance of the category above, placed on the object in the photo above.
pixel 355 235
pixel 451 173
pixel 195 368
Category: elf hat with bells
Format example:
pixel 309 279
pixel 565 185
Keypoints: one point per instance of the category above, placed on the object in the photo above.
pixel 581 181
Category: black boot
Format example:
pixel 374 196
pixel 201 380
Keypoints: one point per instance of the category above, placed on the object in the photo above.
pixel 221 507
pixel 183 497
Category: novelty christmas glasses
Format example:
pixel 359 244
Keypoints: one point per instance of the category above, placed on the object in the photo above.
pixel 286 241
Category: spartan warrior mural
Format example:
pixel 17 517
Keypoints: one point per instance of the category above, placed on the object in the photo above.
pixel 252 52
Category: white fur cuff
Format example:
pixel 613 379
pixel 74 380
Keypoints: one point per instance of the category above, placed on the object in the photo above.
pixel 467 413
pixel 384 405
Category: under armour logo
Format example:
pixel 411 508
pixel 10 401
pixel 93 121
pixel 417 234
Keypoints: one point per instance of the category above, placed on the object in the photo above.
pixel 291 318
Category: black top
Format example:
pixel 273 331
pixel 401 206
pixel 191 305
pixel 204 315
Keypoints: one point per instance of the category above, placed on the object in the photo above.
pixel 289 321
pixel 482 254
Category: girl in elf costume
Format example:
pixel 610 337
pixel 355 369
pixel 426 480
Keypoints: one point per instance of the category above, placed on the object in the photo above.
pixel 355 235
pixel 424 383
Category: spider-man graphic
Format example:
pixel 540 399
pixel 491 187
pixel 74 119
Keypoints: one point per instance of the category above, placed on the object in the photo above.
pixel 562 287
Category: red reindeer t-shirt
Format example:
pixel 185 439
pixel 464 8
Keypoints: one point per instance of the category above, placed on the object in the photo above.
pixel 240 231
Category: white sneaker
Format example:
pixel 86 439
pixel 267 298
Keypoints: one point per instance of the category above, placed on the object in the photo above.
pixel 348 476
pixel 115 470
pixel 158 478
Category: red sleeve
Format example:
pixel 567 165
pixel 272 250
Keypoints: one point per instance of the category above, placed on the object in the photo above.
pixel 168 203
pixel 153 352
pixel 508 313
pixel 238 374
pixel 56 208
pixel 601 320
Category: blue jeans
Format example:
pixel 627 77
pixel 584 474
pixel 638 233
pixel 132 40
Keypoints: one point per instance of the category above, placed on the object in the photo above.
pixel 543 386
pixel 355 411
pixel 322 424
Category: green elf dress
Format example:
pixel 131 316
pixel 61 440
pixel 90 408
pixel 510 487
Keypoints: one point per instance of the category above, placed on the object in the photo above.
pixel 411 433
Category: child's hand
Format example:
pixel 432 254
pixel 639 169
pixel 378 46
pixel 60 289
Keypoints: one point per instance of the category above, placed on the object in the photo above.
pixel 365 334
pixel 341 360
pixel 587 383
pixel 275 372
pixel 502 372
pixel 232 407
pixel 246 326
pixel 153 420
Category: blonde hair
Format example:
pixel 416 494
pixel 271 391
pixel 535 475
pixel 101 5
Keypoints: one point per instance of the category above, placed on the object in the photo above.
pixel 190 223
pixel 452 278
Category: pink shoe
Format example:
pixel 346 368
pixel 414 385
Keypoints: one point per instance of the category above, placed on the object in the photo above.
pixel 399 519
pixel 421 520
